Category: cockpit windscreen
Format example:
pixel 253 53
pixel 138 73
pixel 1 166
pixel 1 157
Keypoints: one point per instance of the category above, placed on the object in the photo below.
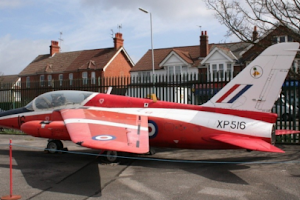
pixel 60 99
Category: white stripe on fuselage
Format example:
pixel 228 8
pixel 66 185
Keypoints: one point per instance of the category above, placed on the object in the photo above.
pixel 101 122
pixel 205 119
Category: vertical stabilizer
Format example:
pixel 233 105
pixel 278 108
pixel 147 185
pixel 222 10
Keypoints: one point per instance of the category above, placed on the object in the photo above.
pixel 258 86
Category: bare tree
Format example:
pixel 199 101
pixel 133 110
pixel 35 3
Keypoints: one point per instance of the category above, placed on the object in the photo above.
pixel 240 16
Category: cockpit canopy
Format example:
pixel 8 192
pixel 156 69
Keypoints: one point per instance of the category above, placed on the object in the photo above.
pixel 59 99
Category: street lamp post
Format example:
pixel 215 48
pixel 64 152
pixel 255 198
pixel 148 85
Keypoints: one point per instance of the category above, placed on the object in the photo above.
pixel 153 74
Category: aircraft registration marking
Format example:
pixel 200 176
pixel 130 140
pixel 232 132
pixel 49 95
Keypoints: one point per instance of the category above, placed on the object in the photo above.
pixel 232 124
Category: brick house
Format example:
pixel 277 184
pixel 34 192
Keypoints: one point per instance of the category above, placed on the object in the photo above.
pixel 210 58
pixel 202 58
pixel 89 66
pixel 214 62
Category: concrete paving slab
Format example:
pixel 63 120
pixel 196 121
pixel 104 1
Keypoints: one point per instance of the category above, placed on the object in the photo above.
pixel 240 175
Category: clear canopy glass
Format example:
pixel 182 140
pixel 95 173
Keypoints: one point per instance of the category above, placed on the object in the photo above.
pixel 58 99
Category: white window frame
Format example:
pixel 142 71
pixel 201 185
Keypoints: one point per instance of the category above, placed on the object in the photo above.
pixel 93 78
pixel 60 78
pixel 278 38
pixel 84 78
pixel 71 78
pixel 28 82
pixel 49 78
pixel 144 76
pixel 216 68
pixel 296 65
pixel 42 80
pixel 177 70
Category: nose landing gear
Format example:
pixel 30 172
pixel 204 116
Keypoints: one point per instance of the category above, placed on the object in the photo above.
pixel 54 146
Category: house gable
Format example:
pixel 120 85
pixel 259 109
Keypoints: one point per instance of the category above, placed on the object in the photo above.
pixel 173 59
pixel 217 55
pixel 120 51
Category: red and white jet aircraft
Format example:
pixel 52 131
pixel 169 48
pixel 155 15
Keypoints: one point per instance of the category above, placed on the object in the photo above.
pixel 238 116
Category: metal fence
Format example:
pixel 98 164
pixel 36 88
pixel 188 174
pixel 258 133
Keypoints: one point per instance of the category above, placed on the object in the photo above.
pixel 187 89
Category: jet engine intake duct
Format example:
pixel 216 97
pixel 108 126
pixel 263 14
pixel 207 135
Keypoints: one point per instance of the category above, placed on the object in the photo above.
pixel 53 130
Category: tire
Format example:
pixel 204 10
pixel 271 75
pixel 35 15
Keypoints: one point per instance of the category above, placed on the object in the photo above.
pixel 111 156
pixel 52 147
pixel 59 144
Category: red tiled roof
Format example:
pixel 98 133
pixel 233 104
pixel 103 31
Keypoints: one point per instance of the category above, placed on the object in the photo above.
pixel 145 63
pixel 69 61
pixel 99 58
pixel 184 55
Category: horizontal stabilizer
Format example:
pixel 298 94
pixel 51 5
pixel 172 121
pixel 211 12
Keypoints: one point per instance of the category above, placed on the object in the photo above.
pixel 245 142
pixel 285 132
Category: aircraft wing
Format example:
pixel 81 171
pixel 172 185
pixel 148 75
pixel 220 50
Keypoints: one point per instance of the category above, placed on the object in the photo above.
pixel 245 142
pixel 107 130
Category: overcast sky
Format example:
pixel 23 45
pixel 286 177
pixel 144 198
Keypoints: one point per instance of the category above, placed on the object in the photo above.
pixel 28 26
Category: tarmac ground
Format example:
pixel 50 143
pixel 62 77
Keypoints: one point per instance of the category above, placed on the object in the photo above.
pixel 169 174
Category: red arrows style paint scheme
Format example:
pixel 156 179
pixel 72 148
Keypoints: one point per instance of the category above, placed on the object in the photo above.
pixel 238 116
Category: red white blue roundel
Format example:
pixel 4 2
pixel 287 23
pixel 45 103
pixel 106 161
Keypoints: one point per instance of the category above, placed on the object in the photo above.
pixel 153 130
pixel 104 137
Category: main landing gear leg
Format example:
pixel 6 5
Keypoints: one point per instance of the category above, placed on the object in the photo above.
pixel 54 146
pixel 151 151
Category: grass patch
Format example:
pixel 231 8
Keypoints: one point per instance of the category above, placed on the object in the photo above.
pixel 10 131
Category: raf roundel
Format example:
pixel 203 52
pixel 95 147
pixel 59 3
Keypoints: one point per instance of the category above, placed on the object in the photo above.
pixel 153 130
pixel 104 137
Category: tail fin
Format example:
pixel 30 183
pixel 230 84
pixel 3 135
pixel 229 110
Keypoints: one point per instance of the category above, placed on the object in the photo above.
pixel 258 86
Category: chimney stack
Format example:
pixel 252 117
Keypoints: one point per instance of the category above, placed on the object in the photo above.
pixel 118 41
pixel 204 49
pixel 54 48
pixel 254 34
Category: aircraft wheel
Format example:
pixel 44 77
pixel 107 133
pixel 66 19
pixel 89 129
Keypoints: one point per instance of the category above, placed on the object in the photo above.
pixel 59 144
pixel 111 156
pixel 54 145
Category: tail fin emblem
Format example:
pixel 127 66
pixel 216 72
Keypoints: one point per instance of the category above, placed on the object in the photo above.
pixel 256 72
